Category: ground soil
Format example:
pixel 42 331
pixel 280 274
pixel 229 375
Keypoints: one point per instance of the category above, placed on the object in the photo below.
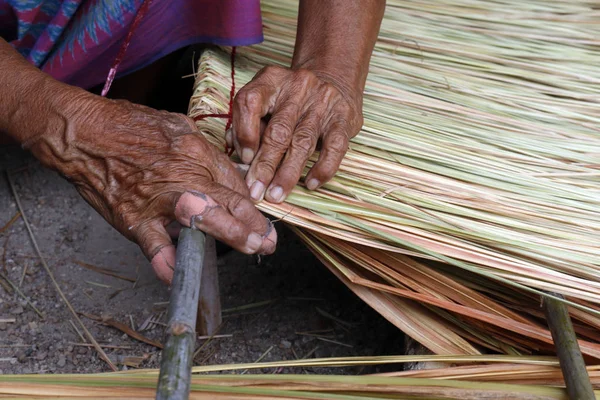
pixel 297 293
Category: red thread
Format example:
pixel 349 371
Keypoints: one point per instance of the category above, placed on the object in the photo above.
pixel 119 58
pixel 121 54
pixel 229 114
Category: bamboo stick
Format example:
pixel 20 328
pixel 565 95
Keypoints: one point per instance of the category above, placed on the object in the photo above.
pixel 569 354
pixel 176 363
pixel 209 308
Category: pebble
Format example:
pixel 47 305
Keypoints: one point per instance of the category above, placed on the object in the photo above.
pixel 17 310
pixel 41 355
pixel 62 361
pixel 3 326
pixel 286 344
pixel 21 356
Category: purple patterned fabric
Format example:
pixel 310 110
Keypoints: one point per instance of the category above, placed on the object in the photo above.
pixel 76 41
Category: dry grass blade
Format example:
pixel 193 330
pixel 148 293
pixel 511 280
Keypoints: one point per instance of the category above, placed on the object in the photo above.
pixel 10 222
pixel 460 382
pixel 22 295
pixel 125 329
pixel 104 271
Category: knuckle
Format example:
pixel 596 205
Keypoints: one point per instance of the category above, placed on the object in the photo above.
pixel 250 100
pixel 328 91
pixel 238 205
pixel 304 140
pixel 278 135
pixel 304 75
pixel 265 167
pixel 338 144
pixel 271 70
pixel 236 232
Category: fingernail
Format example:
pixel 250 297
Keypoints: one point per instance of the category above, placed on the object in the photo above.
pixel 254 242
pixel 247 155
pixel 276 194
pixel 312 184
pixel 229 138
pixel 257 190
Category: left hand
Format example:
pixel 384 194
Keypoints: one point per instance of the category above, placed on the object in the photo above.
pixel 305 107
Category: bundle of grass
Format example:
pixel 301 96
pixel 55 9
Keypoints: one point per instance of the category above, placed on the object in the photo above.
pixel 532 378
pixel 479 154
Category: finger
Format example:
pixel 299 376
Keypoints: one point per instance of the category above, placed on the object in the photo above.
pixel 303 145
pixel 156 243
pixel 333 149
pixel 241 208
pixel 251 104
pixel 203 212
pixel 228 174
pixel 229 139
pixel 274 144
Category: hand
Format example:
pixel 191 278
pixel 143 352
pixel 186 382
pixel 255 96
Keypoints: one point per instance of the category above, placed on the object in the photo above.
pixel 142 169
pixel 305 108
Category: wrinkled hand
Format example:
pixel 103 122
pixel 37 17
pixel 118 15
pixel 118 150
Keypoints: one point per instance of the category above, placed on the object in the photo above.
pixel 306 109
pixel 142 169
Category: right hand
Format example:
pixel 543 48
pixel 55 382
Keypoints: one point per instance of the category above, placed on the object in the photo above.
pixel 141 169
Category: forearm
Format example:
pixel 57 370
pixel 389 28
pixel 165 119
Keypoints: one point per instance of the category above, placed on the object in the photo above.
pixel 336 38
pixel 31 102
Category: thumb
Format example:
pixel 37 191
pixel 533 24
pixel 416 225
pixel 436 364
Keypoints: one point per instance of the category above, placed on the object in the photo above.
pixel 156 243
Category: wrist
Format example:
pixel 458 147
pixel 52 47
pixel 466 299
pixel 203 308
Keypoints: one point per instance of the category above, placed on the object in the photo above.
pixel 41 117
pixel 347 78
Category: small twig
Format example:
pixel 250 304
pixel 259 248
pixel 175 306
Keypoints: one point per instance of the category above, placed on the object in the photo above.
pixel 124 328
pixel 9 223
pixel 104 271
pixel 336 319
pixel 310 353
pixel 77 330
pixel 8 320
pixel 115 293
pixel 215 336
pixel 9 359
pixel 334 342
pixel 205 359
pixel 87 295
pixel 259 359
pixel 137 276
pixel 16 289
pixel 131 321
pixel 249 306
pixel 6 286
pixel 209 339
pixel 98 284
pixel 106 346
pixel 51 275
